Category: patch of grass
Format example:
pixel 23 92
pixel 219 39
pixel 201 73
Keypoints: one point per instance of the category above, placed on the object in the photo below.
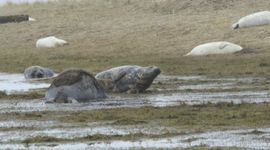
pixel 28 95
pixel 183 117
pixel 3 95
pixel 104 34
pixel 128 121
pixel 40 139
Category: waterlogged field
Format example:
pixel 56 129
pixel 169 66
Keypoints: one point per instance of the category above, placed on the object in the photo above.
pixel 176 112
pixel 211 102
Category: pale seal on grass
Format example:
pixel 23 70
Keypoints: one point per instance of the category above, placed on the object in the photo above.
pixel 211 48
pixel 255 19
pixel 35 72
pixel 50 42
pixel 129 78
pixel 74 84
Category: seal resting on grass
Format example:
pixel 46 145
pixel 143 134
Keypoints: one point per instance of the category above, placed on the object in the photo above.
pixel 74 84
pixel 50 42
pixel 222 47
pixel 255 19
pixel 129 78
pixel 37 72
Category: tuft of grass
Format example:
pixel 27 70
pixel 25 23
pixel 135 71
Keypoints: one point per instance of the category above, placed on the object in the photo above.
pixel 40 139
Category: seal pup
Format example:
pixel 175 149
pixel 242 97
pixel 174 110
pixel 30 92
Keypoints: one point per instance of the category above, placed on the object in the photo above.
pixel 50 42
pixel 128 78
pixel 34 72
pixel 255 19
pixel 74 84
pixel 211 48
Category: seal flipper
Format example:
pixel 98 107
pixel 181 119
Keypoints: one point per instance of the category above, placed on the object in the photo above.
pixel 119 77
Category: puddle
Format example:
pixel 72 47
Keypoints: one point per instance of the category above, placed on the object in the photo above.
pixel 26 123
pixel 3 2
pixel 167 78
pixel 12 83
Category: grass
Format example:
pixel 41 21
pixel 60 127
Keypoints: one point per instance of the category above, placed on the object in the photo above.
pixel 104 34
pixel 184 117
pixel 28 95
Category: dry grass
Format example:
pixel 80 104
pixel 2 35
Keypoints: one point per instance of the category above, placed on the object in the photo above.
pixel 108 33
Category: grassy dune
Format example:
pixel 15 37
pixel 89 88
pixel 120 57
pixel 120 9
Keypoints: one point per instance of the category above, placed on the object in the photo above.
pixel 108 33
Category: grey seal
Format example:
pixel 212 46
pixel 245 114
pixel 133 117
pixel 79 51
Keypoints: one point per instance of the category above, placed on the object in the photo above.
pixel 128 78
pixel 74 84
pixel 37 72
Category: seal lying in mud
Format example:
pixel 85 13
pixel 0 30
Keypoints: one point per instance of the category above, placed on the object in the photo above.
pixel 50 42
pixel 15 18
pixel 217 48
pixel 74 84
pixel 255 19
pixel 131 79
pixel 37 72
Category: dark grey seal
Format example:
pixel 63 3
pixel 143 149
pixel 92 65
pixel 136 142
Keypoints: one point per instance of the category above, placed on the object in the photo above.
pixel 129 78
pixel 34 72
pixel 74 84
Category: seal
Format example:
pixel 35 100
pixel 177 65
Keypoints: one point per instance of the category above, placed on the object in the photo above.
pixel 50 42
pixel 37 72
pixel 211 48
pixel 74 84
pixel 128 78
pixel 255 19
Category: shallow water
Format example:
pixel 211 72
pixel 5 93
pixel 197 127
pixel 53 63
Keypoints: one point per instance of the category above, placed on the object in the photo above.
pixel 14 83
pixel 191 90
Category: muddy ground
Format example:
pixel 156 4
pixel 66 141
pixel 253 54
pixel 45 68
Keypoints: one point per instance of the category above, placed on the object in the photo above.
pixel 193 112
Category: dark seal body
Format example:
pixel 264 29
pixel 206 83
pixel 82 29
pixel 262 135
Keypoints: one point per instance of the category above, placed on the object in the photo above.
pixel 35 72
pixel 15 18
pixel 74 84
pixel 129 78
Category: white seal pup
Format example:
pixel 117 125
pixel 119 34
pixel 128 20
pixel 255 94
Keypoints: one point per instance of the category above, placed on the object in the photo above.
pixel 74 84
pixel 50 42
pixel 129 78
pixel 34 72
pixel 221 47
pixel 255 19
